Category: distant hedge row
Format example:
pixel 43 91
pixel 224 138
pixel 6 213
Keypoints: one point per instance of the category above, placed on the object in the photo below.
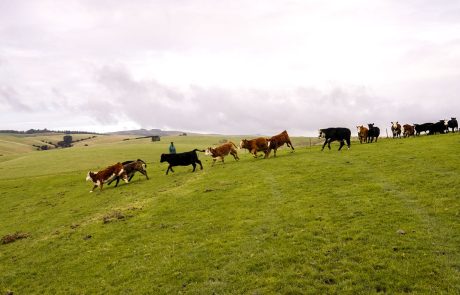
pixel 35 131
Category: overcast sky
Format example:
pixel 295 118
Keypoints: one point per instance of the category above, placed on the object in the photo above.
pixel 233 67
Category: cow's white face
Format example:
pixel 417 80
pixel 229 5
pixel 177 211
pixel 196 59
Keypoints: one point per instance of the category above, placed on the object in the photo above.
pixel 321 134
pixel 394 124
pixel 207 152
pixel 446 122
pixel 88 176
pixel 241 144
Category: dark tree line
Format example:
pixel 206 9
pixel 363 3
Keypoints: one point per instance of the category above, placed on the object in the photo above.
pixel 35 131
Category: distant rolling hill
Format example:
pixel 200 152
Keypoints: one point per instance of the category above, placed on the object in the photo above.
pixel 151 132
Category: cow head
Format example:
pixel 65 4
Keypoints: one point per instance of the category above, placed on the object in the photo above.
pixel 370 125
pixel 243 143
pixel 209 151
pixel 163 158
pixel 89 176
pixel 394 125
pixel 321 133
pixel 446 122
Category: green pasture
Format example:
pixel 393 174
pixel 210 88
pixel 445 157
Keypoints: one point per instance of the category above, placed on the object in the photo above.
pixel 381 217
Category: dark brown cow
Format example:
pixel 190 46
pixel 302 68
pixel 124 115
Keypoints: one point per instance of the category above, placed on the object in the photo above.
pixel 409 130
pixel 255 145
pixel 362 133
pixel 99 178
pixel 131 167
pixel 277 141
pixel 222 151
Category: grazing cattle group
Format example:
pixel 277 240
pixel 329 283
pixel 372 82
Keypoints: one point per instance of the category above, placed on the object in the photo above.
pixel 127 169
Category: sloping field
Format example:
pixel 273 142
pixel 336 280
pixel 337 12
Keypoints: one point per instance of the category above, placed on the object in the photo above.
pixel 381 217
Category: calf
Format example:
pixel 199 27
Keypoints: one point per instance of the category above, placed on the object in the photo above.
pixel 256 145
pixel 100 177
pixel 222 151
pixel 395 129
pixel 362 133
pixel 452 123
pixel 409 130
pixel 131 167
pixel 277 141
pixel 181 159
pixel 419 128
pixel 332 134
pixel 374 132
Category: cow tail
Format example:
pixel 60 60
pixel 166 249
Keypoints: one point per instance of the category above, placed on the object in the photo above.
pixel 197 150
pixel 233 144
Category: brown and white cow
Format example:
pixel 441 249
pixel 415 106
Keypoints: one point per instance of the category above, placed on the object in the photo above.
pixel 255 145
pixel 221 151
pixel 396 129
pixel 409 130
pixel 362 133
pixel 277 141
pixel 100 177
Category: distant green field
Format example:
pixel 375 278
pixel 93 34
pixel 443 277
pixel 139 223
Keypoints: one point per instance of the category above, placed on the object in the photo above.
pixel 381 217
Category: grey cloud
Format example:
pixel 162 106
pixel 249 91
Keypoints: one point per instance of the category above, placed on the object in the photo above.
pixel 245 111
pixel 10 98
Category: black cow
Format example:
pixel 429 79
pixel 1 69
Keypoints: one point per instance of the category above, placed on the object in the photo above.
pixel 452 123
pixel 422 128
pixel 332 134
pixel 438 127
pixel 374 132
pixel 181 159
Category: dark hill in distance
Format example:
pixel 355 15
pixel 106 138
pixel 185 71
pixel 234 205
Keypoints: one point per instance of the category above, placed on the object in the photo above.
pixel 152 132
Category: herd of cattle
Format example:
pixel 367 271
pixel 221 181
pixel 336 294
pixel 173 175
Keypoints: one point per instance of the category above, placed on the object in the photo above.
pixel 126 170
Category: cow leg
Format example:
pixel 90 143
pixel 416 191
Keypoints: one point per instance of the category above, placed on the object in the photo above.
pixel 131 176
pixel 329 143
pixel 95 186
pixel 274 153
pixel 118 180
pixel 194 167
pixel 213 162
pixel 341 145
pixel 199 162
pixel 169 168
pixel 235 156
pixel 325 142
pixel 144 173
pixel 102 184
pixel 222 160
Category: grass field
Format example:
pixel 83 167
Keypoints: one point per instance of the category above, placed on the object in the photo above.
pixel 381 217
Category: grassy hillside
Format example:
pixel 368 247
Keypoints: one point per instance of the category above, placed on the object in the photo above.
pixel 380 217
